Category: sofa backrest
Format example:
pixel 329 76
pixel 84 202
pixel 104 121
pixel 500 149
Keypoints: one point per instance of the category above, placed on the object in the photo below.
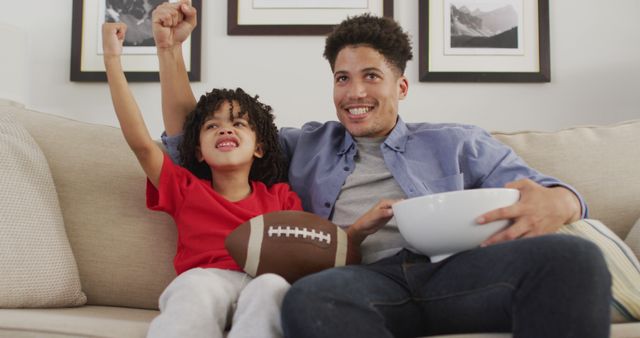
pixel 601 162
pixel 124 251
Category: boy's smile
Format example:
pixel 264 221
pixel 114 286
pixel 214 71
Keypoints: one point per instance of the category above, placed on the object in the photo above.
pixel 227 143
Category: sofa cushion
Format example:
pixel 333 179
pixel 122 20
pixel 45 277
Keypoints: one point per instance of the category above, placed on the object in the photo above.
pixel 37 265
pixel 601 162
pixel 622 263
pixel 124 251
pixel 102 321
pixel 86 321
pixel 633 239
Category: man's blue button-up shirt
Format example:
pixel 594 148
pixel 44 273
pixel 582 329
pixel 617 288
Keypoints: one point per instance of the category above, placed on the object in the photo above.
pixel 423 158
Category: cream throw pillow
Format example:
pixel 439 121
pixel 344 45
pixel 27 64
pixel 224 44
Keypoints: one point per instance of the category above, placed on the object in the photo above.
pixel 622 263
pixel 37 267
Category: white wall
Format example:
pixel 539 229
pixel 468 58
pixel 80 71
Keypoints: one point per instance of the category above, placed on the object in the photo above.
pixel 13 83
pixel 595 60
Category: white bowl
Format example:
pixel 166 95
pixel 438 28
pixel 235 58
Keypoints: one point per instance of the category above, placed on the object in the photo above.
pixel 440 225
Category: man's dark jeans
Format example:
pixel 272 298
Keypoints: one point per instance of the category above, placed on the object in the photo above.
pixel 548 286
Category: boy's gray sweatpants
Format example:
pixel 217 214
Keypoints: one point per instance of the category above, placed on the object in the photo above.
pixel 206 302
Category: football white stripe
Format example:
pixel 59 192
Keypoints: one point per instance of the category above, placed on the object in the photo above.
pixel 341 248
pixel 254 246
pixel 294 231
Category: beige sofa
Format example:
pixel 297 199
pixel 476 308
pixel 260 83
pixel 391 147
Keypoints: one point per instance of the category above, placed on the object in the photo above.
pixel 124 251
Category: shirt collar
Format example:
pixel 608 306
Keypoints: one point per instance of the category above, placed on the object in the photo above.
pixel 347 143
pixel 396 140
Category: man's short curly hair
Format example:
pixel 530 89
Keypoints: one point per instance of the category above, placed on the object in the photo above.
pixel 380 33
pixel 269 169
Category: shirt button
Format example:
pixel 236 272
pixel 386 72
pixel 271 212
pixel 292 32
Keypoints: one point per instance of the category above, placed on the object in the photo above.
pixel 327 204
pixel 345 168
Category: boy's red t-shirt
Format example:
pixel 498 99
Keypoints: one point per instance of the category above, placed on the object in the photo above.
pixel 204 218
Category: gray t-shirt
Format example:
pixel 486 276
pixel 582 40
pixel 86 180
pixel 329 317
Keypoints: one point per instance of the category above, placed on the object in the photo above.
pixel 370 182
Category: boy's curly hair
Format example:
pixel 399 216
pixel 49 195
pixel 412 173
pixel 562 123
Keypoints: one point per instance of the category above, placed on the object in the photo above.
pixel 380 33
pixel 269 169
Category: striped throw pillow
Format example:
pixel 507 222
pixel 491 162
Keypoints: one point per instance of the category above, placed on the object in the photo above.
pixel 633 239
pixel 622 263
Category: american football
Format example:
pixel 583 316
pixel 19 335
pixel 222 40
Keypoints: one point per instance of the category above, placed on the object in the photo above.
pixel 291 244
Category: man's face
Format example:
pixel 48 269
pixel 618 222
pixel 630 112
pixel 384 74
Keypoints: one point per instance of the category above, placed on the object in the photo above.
pixel 366 91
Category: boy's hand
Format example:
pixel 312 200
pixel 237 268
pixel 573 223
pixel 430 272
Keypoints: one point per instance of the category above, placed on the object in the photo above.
pixel 112 38
pixel 371 221
pixel 172 23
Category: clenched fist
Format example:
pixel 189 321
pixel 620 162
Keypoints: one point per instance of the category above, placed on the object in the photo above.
pixel 173 22
pixel 112 38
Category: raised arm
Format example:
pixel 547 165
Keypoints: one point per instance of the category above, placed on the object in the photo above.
pixel 131 122
pixel 172 24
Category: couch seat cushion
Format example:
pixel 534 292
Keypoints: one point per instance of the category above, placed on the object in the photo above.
pixel 105 321
pixel 86 321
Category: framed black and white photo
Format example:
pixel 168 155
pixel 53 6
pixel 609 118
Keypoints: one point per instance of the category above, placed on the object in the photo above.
pixel 139 58
pixel 297 17
pixel 484 40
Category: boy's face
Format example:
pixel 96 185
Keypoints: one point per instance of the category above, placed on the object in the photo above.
pixel 366 91
pixel 227 140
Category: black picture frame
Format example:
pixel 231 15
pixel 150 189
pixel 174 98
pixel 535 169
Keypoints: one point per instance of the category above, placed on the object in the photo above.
pixel 234 28
pixel 427 74
pixel 77 73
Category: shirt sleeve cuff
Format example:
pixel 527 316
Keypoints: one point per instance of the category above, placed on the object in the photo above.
pixel 583 206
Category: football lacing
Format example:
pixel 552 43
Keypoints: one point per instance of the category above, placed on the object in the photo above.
pixel 288 231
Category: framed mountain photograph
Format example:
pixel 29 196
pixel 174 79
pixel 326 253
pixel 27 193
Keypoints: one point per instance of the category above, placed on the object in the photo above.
pixel 484 40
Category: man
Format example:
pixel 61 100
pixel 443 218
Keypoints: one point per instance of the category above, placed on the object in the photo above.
pixel 519 281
